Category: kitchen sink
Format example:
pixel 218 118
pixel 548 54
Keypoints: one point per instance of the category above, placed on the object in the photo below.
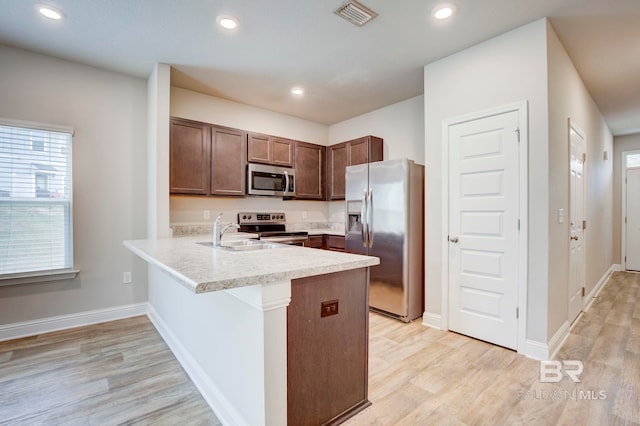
pixel 243 245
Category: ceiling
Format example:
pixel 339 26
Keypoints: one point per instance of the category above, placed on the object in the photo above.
pixel 346 70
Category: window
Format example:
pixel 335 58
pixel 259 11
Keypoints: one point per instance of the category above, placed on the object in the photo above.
pixel 633 160
pixel 35 200
pixel 37 145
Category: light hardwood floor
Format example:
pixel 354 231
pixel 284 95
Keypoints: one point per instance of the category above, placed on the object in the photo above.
pixel 422 376
pixel 122 372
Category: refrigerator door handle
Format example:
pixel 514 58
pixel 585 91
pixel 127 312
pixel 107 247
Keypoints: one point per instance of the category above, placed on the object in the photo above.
pixel 370 217
pixel 363 219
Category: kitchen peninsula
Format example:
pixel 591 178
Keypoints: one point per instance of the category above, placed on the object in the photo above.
pixel 249 325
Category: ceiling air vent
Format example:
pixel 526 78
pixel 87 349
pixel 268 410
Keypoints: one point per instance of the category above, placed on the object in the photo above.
pixel 355 13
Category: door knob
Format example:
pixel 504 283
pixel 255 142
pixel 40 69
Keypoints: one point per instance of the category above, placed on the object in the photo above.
pixel 575 237
pixel 454 239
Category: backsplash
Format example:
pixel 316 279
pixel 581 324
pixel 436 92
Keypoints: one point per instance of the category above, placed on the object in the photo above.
pixel 187 213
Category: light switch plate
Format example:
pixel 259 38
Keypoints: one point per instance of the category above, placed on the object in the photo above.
pixel 560 215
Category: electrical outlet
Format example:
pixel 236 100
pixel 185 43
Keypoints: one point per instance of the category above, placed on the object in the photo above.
pixel 329 308
pixel 207 215
pixel 304 215
pixel 126 278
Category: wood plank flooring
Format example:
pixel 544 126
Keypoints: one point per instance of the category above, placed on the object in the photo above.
pixel 121 372
pixel 422 376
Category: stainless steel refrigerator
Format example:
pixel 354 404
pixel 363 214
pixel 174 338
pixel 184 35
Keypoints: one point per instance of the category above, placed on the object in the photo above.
pixel 385 218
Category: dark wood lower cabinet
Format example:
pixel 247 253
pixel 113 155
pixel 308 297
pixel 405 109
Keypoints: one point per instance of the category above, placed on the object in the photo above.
pixel 334 242
pixel 316 241
pixel 327 348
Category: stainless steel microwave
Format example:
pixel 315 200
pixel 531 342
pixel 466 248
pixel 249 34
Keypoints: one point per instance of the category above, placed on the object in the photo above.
pixel 270 180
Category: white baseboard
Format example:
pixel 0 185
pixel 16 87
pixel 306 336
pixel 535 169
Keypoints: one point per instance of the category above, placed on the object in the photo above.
pixel 558 339
pixel 544 352
pixel 432 320
pixel 536 350
pixel 62 322
pixel 224 411
pixel 588 300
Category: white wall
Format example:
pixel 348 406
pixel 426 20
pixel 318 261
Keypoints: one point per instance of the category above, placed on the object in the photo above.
pixel 506 69
pixel 158 93
pixel 620 145
pixel 108 112
pixel 569 98
pixel 209 109
pixel 401 125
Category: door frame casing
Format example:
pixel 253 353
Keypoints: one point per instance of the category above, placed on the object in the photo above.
pixel 573 126
pixel 623 206
pixel 523 247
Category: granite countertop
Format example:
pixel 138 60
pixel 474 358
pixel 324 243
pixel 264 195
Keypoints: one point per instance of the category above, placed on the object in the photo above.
pixel 202 269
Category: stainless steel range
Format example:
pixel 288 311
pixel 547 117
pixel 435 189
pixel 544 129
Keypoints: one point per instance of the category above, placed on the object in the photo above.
pixel 271 227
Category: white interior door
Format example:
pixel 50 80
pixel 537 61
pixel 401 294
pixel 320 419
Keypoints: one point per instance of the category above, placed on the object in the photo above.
pixel 632 262
pixel 576 225
pixel 484 228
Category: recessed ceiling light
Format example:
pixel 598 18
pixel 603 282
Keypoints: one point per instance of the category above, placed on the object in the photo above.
pixel 50 12
pixel 298 91
pixel 443 12
pixel 227 22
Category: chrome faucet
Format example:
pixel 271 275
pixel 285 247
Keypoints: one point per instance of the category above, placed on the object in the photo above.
pixel 218 233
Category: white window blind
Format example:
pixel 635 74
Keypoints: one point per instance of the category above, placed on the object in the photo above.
pixel 35 199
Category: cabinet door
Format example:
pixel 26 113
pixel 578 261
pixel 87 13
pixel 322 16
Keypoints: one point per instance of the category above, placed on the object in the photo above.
pixel 282 152
pixel 316 241
pixel 228 161
pixel 259 148
pixel 367 149
pixel 337 163
pixel 189 151
pixel 358 151
pixel 335 242
pixel 309 166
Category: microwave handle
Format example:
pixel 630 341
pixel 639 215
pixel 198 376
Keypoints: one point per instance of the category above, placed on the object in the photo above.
pixel 286 182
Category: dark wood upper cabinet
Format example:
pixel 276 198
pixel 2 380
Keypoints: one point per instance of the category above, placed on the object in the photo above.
pixel 259 149
pixel 367 149
pixel 228 161
pixel 283 152
pixel 309 167
pixel 206 159
pixel 337 162
pixel 189 154
pixel 267 149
